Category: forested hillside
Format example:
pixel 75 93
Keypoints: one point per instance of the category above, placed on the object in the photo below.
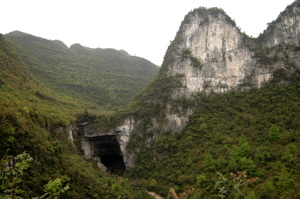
pixel 219 120
pixel 101 77
pixel 34 119
pixel 236 145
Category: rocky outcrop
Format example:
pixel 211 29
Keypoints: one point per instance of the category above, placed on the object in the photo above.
pixel 94 139
pixel 285 29
pixel 210 55
pixel 124 130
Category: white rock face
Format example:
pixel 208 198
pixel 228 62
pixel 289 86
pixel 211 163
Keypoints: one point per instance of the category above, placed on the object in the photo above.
pixel 92 132
pixel 86 148
pixel 209 54
pixel 175 121
pixel 286 28
pixel 124 130
pixel 71 130
pixel 218 46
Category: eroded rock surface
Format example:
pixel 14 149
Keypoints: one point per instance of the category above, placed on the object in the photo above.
pixel 210 55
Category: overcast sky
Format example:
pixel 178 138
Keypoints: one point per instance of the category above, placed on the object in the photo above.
pixel 141 27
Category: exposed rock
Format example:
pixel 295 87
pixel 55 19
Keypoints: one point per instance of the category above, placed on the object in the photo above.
pixel 96 140
pixel 285 29
pixel 86 148
pixel 124 130
pixel 71 130
pixel 210 55
pixel 100 165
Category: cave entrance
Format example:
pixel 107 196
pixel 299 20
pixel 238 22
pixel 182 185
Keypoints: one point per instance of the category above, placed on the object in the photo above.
pixel 108 149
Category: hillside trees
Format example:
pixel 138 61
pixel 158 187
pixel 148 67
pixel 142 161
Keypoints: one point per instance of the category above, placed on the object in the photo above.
pixel 99 78
pixel 35 119
pixel 11 176
pixel 254 132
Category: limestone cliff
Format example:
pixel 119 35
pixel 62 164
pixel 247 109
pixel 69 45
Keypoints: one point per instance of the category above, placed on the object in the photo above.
pixel 208 55
pixel 285 29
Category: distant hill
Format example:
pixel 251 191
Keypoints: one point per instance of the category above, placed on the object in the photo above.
pixel 220 120
pixel 21 92
pixel 35 119
pixel 105 77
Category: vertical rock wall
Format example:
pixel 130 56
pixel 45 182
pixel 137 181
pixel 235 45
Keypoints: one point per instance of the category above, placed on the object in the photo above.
pixel 285 29
pixel 210 54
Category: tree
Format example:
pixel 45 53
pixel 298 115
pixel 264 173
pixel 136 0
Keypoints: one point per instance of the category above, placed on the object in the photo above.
pixel 53 189
pixel 240 156
pixel 273 135
pixel 242 150
pixel 202 181
pixel 11 174
pixel 290 153
pixel 246 164
pixel 285 183
pixel 209 163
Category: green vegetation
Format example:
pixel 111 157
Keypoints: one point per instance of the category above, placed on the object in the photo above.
pixel 99 77
pixel 186 54
pixel 12 174
pixel 35 119
pixel 237 145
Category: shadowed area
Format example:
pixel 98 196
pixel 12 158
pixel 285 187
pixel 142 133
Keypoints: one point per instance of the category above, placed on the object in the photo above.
pixel 108 149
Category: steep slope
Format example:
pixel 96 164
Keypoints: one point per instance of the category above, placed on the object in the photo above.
pixel 285 29
pixel 183 128
pixel 255 132
pixel 18 84
pixel 35 119
pixel 212 55
pixel 209 56
pixel 105 77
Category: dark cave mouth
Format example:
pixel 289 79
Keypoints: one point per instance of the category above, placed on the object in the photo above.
pixel 108 149
pixel 114 163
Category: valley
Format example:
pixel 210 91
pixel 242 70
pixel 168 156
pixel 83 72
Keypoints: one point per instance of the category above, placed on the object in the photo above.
pixel 219 119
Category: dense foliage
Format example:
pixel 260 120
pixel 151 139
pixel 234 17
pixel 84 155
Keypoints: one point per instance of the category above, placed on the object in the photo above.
pixel 235 145
pixel 34 119
pixel 256 132
pixel 104 77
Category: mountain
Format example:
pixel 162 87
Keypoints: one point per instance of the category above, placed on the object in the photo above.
pixel 220 119
pixel 104 77
pixel 218 89
pixel 210 56
pixel 34 149
pixel 21 90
